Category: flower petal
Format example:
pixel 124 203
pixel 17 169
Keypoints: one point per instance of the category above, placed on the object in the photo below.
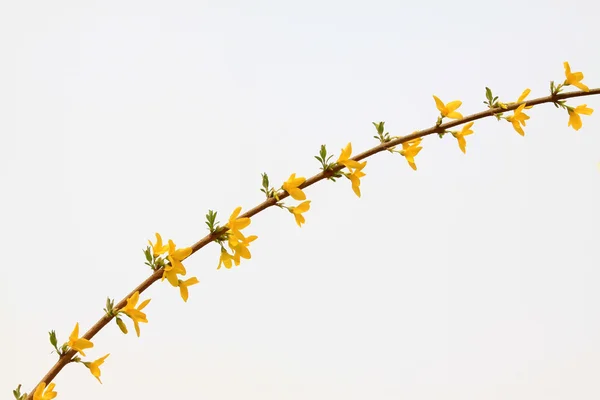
pixel 439 104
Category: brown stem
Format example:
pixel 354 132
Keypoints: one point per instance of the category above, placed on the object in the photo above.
pixel 102 322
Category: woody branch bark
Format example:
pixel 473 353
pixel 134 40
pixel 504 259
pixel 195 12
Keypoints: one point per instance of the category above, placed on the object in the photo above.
pixel 102 322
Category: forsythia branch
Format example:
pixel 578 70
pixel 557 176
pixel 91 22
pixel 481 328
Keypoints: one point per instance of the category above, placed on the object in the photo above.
pixel 439 128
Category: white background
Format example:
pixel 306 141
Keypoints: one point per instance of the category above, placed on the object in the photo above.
pixel 474 277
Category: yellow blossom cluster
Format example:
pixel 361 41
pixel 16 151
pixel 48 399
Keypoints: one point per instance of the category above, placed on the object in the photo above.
pixel 44 393
pixel 237 241
pixel 574 115
pixel 519 117
pixel 410 150
pixel 78 344
pixel 134 313
pixel 94 366
pixel 175 266
pixel 292 187
pixel 571 78
pixel 460 136
pixel 448 110
pixel 353 166
pixel 574 78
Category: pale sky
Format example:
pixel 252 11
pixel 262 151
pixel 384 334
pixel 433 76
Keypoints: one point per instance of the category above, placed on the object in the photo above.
pixel 474 277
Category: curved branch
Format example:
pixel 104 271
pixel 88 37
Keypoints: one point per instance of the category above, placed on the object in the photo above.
pixel 102 322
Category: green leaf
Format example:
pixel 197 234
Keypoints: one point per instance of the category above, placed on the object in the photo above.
pixel 265 180
pixel 323 158
pixel 265 183
pixel 17 392
pixel 323 152
pixel 211 217
pixel 488 94
pixel 110 304
pixel 53 340
pixel 148 254
pixel 552 88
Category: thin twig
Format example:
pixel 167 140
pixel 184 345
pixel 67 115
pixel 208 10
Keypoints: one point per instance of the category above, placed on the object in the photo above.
pixel 102 322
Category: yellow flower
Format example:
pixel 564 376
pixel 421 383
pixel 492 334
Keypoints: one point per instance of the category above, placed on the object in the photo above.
pixel 291 186
pixel 460 136
pixel 297 211
pixel 410 150
pixel 158 248
pixel 77 343
pixel 225 259
pixel 136 314
pixel 518 119
pixel 236 224
pixel 170 272
pixel 574 118
pixel 448 110
pixel 176 256
pixel 574 78
pixel 520 99
pixel 344 158
pixel 355 177
pixel 94 366
pixel 240 247
pixel 183 287
pixel 43 393
pixel 523 95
